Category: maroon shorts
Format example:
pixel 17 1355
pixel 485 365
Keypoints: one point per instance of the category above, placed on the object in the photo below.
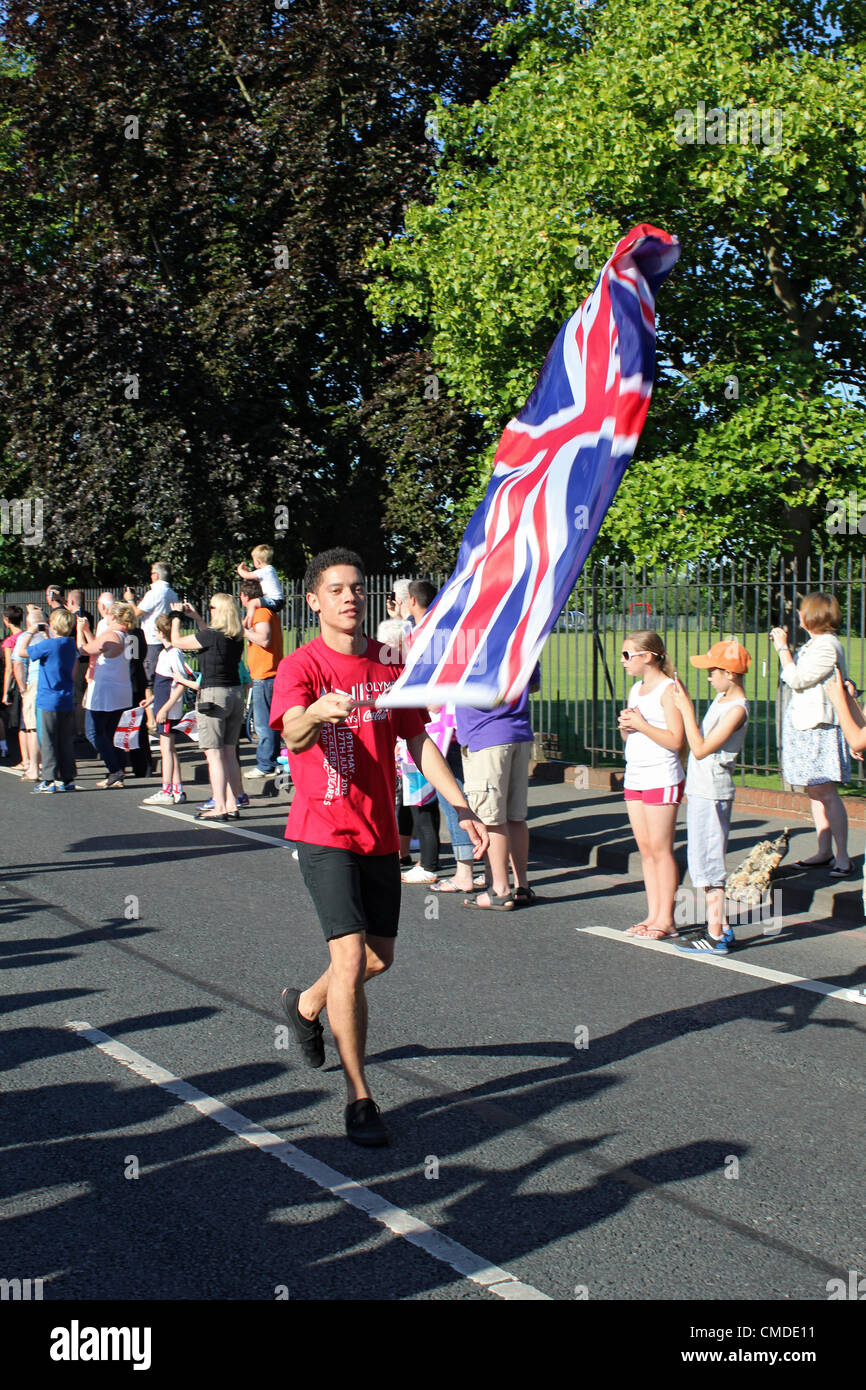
pixel 657 796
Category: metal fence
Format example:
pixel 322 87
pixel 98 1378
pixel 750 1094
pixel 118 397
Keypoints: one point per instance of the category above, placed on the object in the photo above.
pixel 583 683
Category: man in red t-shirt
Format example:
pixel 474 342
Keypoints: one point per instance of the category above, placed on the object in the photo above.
pixel 341 756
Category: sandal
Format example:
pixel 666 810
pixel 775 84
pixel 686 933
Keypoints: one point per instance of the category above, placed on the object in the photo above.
pixel 496 904
pixel 113 780
pixel 655 933
pixel 447 885
pixel 524 897
pixel 637 929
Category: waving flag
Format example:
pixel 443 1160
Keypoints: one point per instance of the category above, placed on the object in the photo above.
pixel 557 468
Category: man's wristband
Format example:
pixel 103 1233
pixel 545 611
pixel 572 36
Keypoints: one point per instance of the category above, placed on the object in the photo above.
pixel 783 649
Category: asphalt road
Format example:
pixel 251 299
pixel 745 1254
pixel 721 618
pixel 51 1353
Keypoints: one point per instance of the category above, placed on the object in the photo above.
pixel 581 1116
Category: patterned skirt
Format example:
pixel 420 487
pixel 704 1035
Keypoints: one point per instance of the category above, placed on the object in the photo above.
pixel 814 755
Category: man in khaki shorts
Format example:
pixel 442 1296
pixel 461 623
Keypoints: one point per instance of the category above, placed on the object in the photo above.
pixel 497 748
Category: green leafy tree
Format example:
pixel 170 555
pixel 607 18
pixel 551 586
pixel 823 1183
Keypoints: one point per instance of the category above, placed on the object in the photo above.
pixel 187 359
pixel 741 130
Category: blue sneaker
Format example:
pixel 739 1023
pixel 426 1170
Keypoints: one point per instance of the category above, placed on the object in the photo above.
pixel 43 787
pixel 708 945
pixel 65 787
pixel 242 800
pixel 205 805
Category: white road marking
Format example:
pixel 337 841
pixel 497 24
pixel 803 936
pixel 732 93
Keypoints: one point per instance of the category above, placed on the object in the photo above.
pixel 740 967
pixel 230 828
pixel 473 1267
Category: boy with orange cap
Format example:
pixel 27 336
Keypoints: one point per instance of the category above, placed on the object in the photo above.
pixel 715 747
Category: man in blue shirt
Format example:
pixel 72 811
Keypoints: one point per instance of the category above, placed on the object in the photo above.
pixel 497 746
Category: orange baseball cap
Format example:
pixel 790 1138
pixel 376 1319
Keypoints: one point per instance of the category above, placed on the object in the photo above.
pixel 728 656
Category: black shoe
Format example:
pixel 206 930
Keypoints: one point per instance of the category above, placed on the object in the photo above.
pixel 364 1124
pixel 309 1032
pixel 850 872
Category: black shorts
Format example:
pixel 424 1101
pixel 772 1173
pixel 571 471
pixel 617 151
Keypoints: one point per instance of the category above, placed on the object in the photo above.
pixel 352 892
pixel 11 713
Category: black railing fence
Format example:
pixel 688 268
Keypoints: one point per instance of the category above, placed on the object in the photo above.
pixel 583 683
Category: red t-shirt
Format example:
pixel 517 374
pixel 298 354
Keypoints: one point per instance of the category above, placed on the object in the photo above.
pixel 345 783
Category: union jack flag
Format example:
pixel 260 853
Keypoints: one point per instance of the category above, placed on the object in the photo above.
pixel 557 468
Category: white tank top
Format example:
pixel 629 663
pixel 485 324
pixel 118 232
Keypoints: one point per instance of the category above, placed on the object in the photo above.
pixel 112 683
pixel 647 764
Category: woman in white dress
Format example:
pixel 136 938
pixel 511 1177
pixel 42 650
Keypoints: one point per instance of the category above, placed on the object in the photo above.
pixel 814 753
pixel 111 690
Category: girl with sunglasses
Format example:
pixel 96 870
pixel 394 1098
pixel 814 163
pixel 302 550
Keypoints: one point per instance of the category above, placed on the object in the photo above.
pixel 652 727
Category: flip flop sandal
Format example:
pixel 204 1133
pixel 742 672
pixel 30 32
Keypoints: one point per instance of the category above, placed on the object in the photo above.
pixel 447 885
pixel 496 904
pixel 636 930
pixel 655 934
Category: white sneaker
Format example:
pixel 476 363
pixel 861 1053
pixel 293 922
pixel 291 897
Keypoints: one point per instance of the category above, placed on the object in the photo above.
pixel 418 875
pixel 159 799
pixel 257 772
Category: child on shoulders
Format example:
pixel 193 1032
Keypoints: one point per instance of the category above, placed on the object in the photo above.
pixel 272 590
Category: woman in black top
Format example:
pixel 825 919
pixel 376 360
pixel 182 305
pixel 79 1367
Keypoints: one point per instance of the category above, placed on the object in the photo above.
pixel 220 707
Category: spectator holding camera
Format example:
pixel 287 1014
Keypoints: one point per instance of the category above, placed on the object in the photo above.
pixel 158 599
pixel 814 755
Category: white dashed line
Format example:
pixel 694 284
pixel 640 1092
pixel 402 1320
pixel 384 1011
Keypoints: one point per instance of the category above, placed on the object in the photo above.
pixel 230 828
pixel 740 967
pixel 400 1223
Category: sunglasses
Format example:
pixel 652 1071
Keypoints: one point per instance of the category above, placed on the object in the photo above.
pixel 627 656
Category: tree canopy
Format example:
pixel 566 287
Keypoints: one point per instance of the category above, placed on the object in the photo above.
pixel 742 130
pixel 187 358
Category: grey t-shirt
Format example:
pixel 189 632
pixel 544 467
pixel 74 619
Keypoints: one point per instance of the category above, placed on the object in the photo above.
pixel 712 777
